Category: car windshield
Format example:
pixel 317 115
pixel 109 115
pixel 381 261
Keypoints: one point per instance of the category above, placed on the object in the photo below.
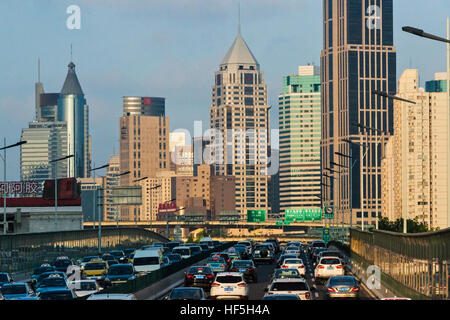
pixel 215 260
pixel 292 261
pixel 331 254
pixel 242 263
pixel 117 254
pixel 87 259
pixel 85 286
pixel 62 263
pixel 4 278
pixel 95 266
pixel 330 261
pixel 120 269
pixel 14 289
pixel 200 270
pixel 336 281
pixel 59 295
pixel 183 252
pixel 53 282
pixel 228 279
pixel 186 294
pixel 262 248
pixel 146 261
pixel 289 286
pixel 287 273
pixel 128 251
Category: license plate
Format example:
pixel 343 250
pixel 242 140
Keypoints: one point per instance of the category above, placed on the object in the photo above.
pixel 330 268
pixel 199 277
pixel 343 289
pixel 242 270
pixel 229 289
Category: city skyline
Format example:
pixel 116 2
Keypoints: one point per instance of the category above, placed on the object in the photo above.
pixel 104 86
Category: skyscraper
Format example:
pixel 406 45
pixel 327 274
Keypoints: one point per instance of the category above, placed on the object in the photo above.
pixel 300 127
pixel 358 57
pixel 73 110
pixel 239 120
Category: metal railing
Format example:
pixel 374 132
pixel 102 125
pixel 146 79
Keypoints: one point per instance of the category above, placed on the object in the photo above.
pixel 24 252
pixel 417 262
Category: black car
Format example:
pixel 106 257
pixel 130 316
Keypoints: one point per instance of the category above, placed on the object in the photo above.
pixel 285 274
pixel 316 244
pixel 119 255
pixel 199 276
pixel 111 262
pixel 183 293
pixel 172 244
pixel 247 267
pixel 204 246
pixel 285 256
pixel 315 254
pixel 216 243
pixel 242 250
pixel 276 244
pixel 61 264
pixel 196 250
pixel 5 278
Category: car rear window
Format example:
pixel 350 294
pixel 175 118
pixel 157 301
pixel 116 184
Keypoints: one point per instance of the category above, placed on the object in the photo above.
pixel 183 252
pixel 293 261
pixel 330 261
pixel 200 270
pixel 14 289
pixel 342 281
pixel 289 286
pixel 95 266
pixel 229 279
pixel 242 264
pixel 287 273
pixel 146 261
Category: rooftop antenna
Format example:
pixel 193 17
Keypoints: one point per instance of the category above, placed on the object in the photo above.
pixel 239 18
pixel 39 69
pixel 71 60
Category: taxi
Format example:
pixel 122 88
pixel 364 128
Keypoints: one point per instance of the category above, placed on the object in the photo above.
pixel 95 270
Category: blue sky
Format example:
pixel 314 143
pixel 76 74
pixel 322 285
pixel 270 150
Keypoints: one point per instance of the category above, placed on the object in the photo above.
pixel 170 48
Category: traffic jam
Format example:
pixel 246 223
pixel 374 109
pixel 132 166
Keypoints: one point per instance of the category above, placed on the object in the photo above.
pixel 245 271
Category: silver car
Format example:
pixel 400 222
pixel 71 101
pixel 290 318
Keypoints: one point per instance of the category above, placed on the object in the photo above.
pixel 343 287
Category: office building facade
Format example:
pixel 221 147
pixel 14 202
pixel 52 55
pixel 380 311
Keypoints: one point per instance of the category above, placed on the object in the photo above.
pixel 358 57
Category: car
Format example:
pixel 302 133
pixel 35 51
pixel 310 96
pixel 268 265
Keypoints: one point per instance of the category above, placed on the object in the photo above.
pixel 292 249
pixel 284 256
pixel 46 275
pixel 173 244
pixel 184 251
pixel 38 271
pixel 330 253
pixel 52 282
pixel 224 255
pixel 233 255
pixel 281 296
pixel 315 254
pixel 298 287
pixel 120 273
pixel 216 263
pixel 204 246
pixel 328 267
pixel 62 263
pixel 5 278
pixel 271 246
pixel 111 262
pixel 107 257
pixel 208 241
pixel 276 245
pixel 263 253
pixel 217 243
pixel 95 270
pixel 174 257
pixel 84 288
pixel 247 268
pixel 16 290
pixel 229 285
pixel 342 287
pixel 285 274
pixel 128 253
pixel 315 244
pixel 242 250
pixel 247 244
pixel 86 259
pixel 148 260
pixel 195 249
pixel 57 294
pixel 199 276
pixel 119 255
pixel 186 293
pixel 112 296
pixel 289 263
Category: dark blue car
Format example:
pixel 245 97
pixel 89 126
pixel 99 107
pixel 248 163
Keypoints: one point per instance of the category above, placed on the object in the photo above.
pixel 120 273
pixel 16 290
pixel 5 278
pixel 51 283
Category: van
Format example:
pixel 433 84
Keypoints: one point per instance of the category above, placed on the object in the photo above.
pixel 184 251
pixel 208 241
pixel 148 260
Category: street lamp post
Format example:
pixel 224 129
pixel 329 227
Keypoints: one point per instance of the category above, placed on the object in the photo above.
pixel 4 178
pixel 56 186
pixel 421 33
pixel 350 168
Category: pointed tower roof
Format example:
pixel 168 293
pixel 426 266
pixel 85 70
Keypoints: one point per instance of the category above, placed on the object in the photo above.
pixel 239 53
pixel 71 85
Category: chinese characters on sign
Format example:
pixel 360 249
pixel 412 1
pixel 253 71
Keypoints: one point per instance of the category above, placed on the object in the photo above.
pixel 19 187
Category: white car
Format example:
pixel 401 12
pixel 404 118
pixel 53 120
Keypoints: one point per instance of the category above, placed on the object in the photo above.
pixel 292 249
pixel 328 267
pixel 294 264
pixel 298 287
pixel 229 285
pixel 84 288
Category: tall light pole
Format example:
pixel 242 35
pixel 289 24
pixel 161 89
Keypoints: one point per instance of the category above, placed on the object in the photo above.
pixel 96 209
pixel 350 157
pixel 421 33
pixel 404 171
pixel 4 178
pixel 56 186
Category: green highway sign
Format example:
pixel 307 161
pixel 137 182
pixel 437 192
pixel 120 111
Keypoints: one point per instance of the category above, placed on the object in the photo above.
pixel 256 215
pixel 300 215
pixel 326 235
pixel 329 212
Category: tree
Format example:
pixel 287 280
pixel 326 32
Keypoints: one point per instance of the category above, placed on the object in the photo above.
pixel 412 226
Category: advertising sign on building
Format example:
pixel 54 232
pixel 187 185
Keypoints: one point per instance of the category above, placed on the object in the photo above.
pixel 16 188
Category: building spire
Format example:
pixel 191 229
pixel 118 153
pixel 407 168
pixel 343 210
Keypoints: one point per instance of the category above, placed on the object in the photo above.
pixel 71 58
pixel 239 18
pixel 39 69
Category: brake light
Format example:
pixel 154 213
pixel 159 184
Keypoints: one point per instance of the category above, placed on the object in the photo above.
pixel 307 295
pixel 301 267
pixel 242 284
pixel 331 289
pixel 340 267
pixel 284 266
pixel 189 276
pixel 210 276
pixel 215 284
pixel 320 266
pixel 354 289
pixel 222 266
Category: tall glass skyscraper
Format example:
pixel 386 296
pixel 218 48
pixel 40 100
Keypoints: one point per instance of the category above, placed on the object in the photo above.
pixel 73 110
pixel 358 57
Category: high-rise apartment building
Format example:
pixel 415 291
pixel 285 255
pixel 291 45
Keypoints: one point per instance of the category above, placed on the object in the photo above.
pixel 239 119
pixel 419 155
pixel 358 57
pixel 144 148
pixel 300 128
pixel 112 212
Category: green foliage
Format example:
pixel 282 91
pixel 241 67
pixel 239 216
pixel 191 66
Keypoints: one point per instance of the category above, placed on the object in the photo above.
pixel 190 239
pixel 412 226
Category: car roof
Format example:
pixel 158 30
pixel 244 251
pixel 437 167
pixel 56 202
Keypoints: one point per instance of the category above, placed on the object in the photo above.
pixel 229 274
pixel 124 296
pixel 181 247
pixel 290 280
